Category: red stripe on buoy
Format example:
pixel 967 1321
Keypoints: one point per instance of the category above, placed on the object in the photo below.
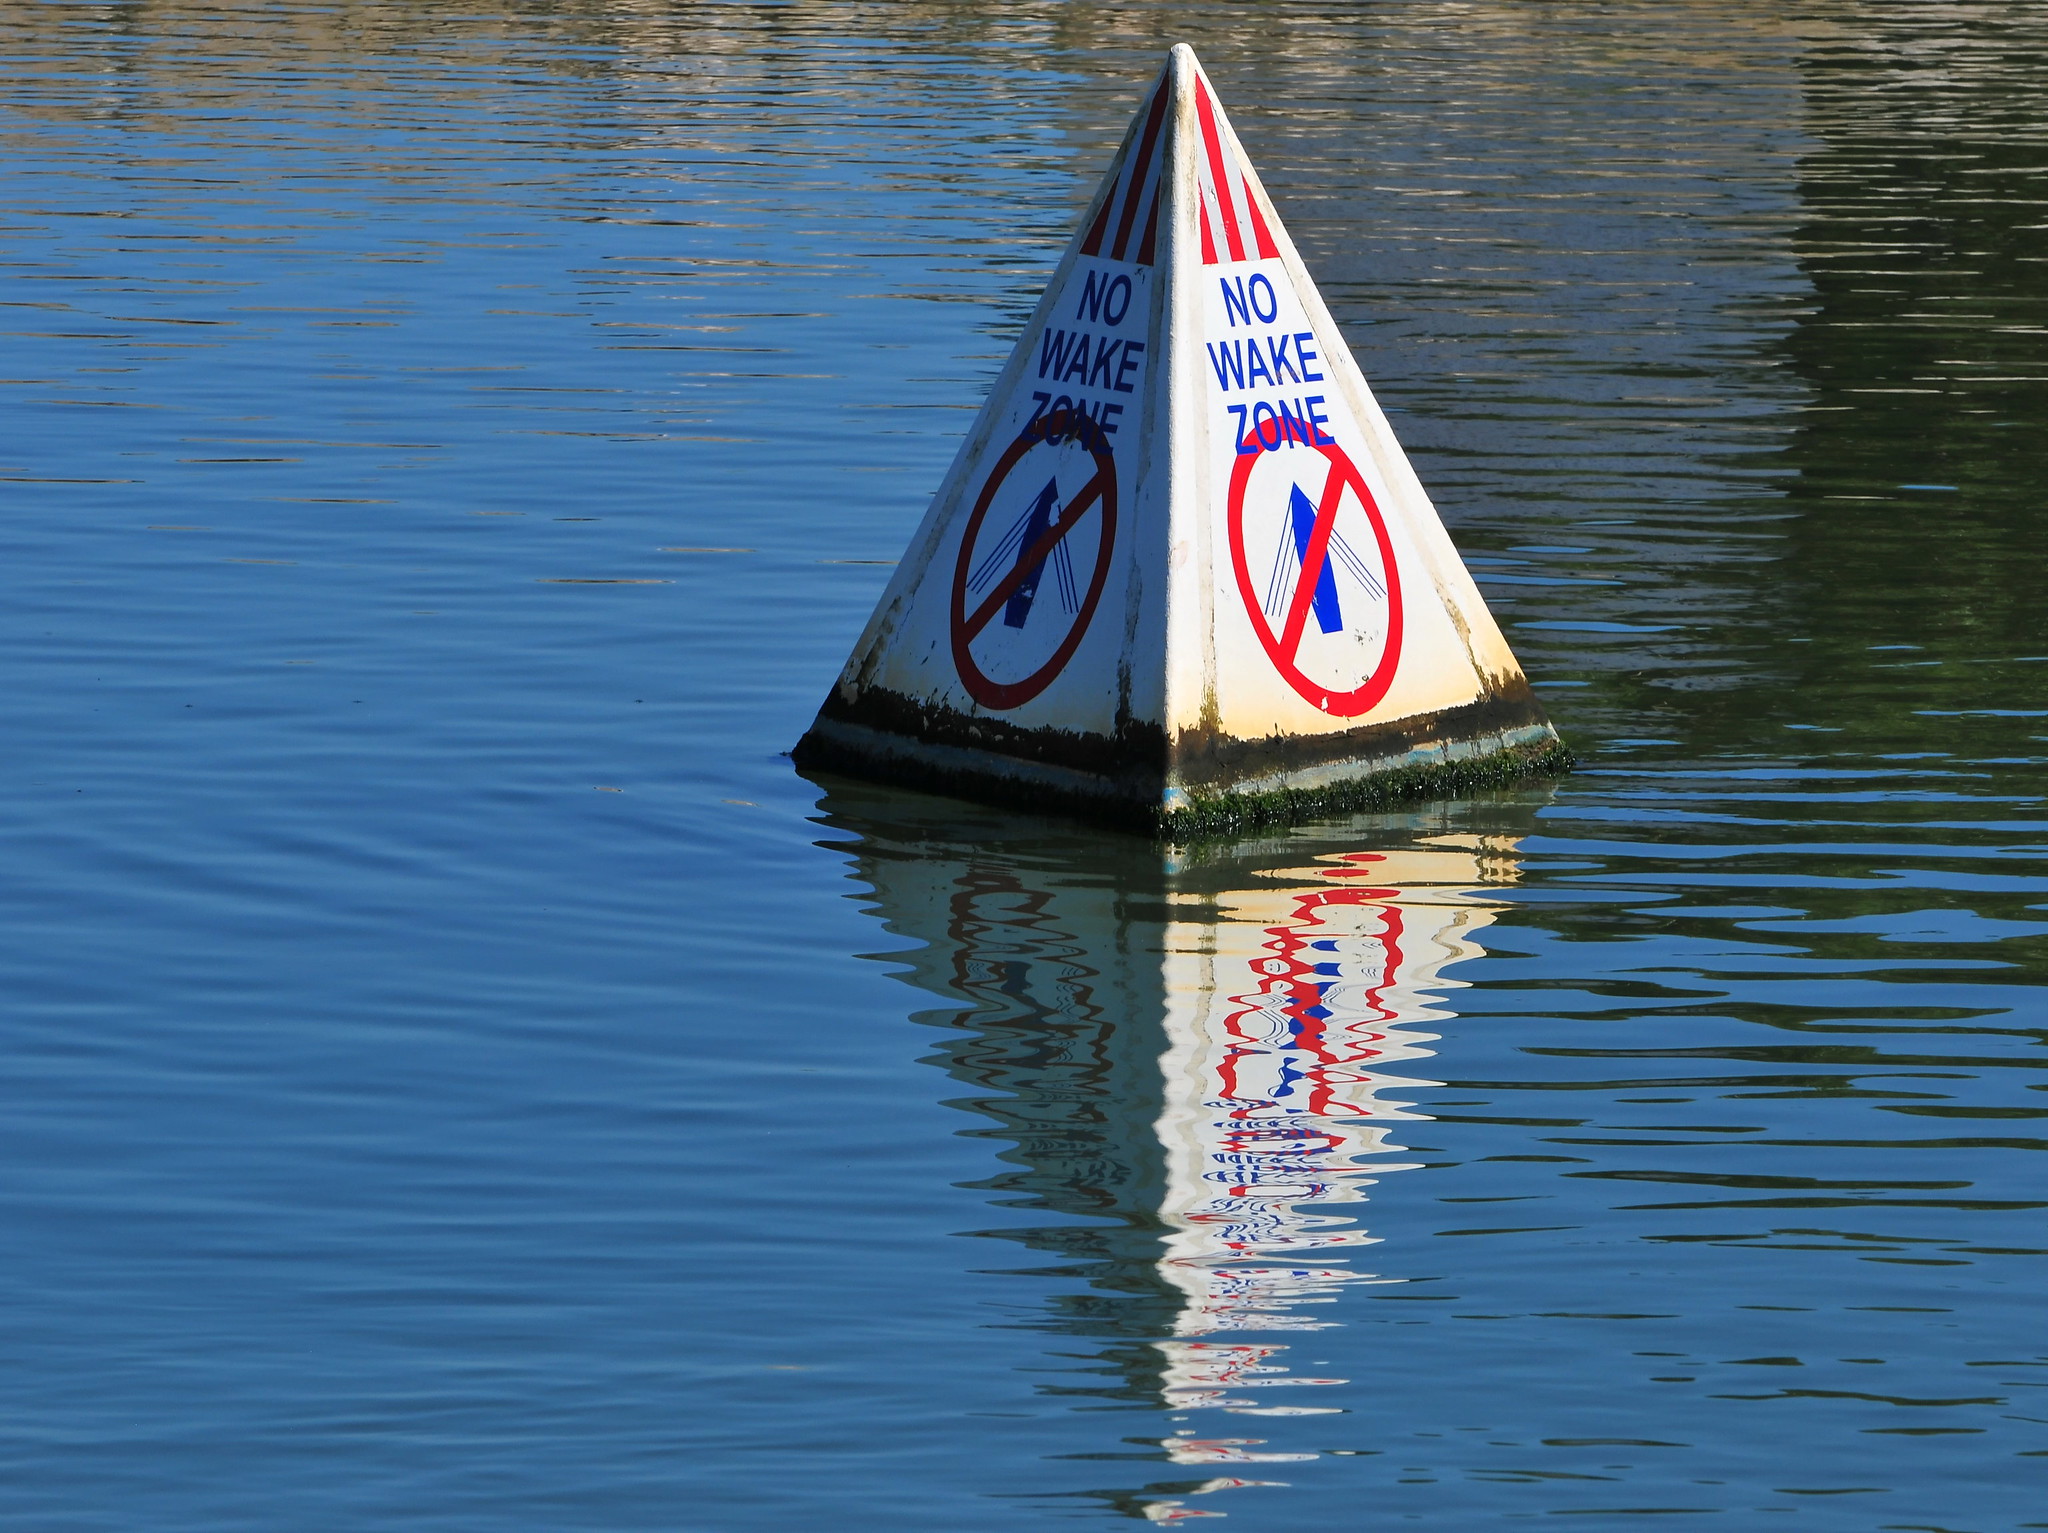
pixel 1225 207
pixel 1263 235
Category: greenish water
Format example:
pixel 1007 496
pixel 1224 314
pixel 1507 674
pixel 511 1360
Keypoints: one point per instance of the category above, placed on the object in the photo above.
pixel 459 1076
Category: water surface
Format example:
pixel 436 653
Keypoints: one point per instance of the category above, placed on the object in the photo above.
pixel 461 1077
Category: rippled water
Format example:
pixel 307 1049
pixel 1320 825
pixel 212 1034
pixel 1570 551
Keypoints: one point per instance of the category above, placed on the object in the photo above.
pixel 461 1077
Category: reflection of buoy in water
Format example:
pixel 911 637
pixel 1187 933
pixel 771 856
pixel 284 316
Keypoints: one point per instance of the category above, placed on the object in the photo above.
pixel 1195 1067
pixel 1285 1025
pixel 1180 573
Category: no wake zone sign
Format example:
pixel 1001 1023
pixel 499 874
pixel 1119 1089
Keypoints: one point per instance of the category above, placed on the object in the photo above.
pixel 1038 544
pixel 1179 526
pixel 1060 534
pixel 1310 551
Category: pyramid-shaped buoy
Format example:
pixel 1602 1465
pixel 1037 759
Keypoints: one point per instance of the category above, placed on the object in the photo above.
pixel 1180 573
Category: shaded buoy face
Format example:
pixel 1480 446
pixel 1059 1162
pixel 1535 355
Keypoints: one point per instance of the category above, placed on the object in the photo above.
pixel 1034 557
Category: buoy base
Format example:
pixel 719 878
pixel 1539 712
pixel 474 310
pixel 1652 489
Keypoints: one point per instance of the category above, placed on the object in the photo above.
pixel 1448 771
pixel 968 771
pixel 1139 797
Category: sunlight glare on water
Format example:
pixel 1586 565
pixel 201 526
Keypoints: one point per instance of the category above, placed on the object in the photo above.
pixel 462 1077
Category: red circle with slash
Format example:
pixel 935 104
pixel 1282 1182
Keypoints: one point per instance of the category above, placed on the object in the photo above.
pixel 1284 646
pixel 1098 497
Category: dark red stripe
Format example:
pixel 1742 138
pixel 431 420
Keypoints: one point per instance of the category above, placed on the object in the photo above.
pixel 1146 247
pixel 1093 244
pixel 1140 168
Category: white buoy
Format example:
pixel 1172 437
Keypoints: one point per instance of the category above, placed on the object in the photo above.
pixel 1180 573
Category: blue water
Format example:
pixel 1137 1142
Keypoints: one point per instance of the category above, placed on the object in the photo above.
pixel 460 1076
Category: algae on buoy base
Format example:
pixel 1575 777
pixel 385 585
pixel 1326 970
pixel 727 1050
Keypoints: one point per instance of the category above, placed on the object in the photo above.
pixel 1180 574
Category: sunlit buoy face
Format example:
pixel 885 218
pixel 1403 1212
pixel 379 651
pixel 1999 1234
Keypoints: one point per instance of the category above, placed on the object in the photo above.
pixel 1310 554
pixel 1316 572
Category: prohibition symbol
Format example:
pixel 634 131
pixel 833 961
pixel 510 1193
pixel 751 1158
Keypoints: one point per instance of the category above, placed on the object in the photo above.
pixel 1021 600
pixel 1320 552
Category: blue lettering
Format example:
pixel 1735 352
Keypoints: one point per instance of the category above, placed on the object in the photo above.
pixel 1259 426
pixel 1307 354
pixel 1053 350
pixel 1277 350
pixel 1105 354
pixel 1091 298
pixel 1271 311
pixel 1078 366
pixel 1132 351
pixel 1107 299
pixel 1255 365
pixel 1317 420
pixel 1234 305
pixel 1243 434
pixel 1227 358
pixel 1116 297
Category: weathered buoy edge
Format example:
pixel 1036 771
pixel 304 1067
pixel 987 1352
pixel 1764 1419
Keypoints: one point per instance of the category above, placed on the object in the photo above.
pixel 1451 775
pixel 1134 798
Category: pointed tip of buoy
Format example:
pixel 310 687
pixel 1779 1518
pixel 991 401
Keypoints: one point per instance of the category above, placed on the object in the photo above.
pixel 1181 573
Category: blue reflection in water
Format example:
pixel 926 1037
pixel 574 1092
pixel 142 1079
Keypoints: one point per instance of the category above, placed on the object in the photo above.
pixel 1204 1049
